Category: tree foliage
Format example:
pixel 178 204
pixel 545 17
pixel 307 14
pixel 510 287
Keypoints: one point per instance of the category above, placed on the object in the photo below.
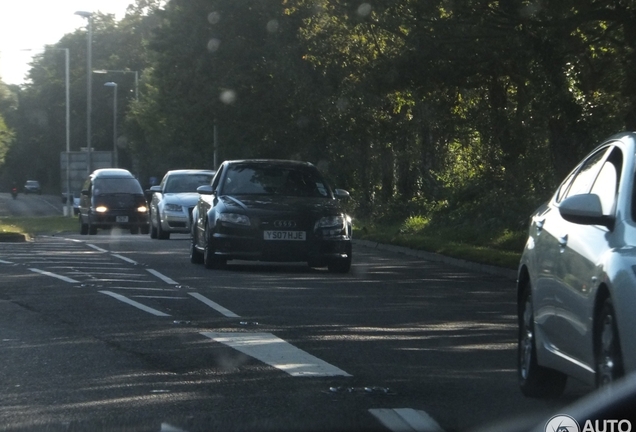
pixel 470 109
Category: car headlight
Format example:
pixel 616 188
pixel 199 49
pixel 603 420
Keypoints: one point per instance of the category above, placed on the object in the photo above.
pixel 173 208
pixel 142 209
pixel 234 218
pixel 101 209
pixel 333 222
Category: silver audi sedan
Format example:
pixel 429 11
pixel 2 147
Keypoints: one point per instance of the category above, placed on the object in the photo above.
pixel 577 277
pixel 173 200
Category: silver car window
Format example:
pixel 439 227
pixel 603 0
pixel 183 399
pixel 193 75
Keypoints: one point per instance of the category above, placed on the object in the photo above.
pixel 186 182
pixel 606 183
pixel 585 176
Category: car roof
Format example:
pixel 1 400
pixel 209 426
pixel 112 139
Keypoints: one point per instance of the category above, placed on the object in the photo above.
pixel 280 162
pixel 190 171
pixel 111 173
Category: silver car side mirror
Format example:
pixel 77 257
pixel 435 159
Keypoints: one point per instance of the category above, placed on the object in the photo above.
pixel 585 209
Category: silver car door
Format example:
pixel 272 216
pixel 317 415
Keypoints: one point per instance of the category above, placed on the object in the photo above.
pixel 582 248
pixel 553 288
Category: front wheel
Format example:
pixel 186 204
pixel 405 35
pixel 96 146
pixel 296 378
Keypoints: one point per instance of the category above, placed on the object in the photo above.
pixel 196 257
pixel 607 348
pixel 153 228
pixel 83 226
pixel 341 265
pixel 534 380
pixel 210 260
pixel 161 234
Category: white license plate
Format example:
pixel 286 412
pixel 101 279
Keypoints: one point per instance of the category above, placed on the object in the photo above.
pixel 121 219
pixel 284 235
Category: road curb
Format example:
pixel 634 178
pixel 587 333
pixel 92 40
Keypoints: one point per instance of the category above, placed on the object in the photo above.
pixel 431 256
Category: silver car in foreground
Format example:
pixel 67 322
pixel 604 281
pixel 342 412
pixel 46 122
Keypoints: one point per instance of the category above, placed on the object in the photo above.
pixel 577 277
pixel 173 200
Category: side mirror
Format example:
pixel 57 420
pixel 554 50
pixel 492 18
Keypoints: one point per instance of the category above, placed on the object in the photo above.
pixel 205 190
pixel 154 189
pixel 341 194
pixel 585 209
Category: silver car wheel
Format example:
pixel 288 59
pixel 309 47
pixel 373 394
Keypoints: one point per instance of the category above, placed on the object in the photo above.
pixel 608 357
pixel 534 380
pixel 527 340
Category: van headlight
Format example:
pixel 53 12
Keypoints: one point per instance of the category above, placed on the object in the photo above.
pixel 142 209
pixel 101 209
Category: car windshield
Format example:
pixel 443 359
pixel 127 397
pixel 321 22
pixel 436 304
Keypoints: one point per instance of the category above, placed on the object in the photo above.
pixel 274 180
pixel 117 185
pixel 183 183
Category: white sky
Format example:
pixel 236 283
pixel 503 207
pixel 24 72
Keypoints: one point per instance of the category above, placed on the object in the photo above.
pixel 31 24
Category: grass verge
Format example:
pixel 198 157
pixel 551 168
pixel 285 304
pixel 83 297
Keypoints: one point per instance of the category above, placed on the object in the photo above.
pixel 498 248
pixel 31 226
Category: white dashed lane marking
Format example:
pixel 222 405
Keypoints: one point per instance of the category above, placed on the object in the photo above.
pixel 217 307
pixel 277 353
pixel 135 304
pixel 164 278
pixel 54 275
pixel 406 420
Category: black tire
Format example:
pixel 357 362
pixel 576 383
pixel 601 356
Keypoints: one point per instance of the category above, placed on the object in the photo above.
pixel 83 226
pixel 210 260
pixel 153 229
pixel 340 265
pixel 92 229
pixel 534 381
pixel 161 234
pixel 607 348
pixel 134 230
pixel 145 229
pixel 196 257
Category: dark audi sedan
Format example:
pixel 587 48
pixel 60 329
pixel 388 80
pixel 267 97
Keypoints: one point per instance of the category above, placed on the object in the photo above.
pixel 271 210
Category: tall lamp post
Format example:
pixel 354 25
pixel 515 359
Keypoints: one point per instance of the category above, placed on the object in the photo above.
pixel 114 86
pixel 69 198
pixel 105 71
pixel 89 84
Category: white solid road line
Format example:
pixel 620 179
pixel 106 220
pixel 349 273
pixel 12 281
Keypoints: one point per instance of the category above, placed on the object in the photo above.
pixel 406 420
pixel 164 278
pixel 277 353
pixel 217 307
pixel 57 276
pixel 5 262
pixel 134 303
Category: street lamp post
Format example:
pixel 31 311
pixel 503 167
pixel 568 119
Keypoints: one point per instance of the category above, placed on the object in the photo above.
pixel 114 86
pixel 89 84
pixel 69 202
pixel 105 71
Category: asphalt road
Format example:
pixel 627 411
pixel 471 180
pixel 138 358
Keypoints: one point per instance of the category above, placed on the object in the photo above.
pixel 121 332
